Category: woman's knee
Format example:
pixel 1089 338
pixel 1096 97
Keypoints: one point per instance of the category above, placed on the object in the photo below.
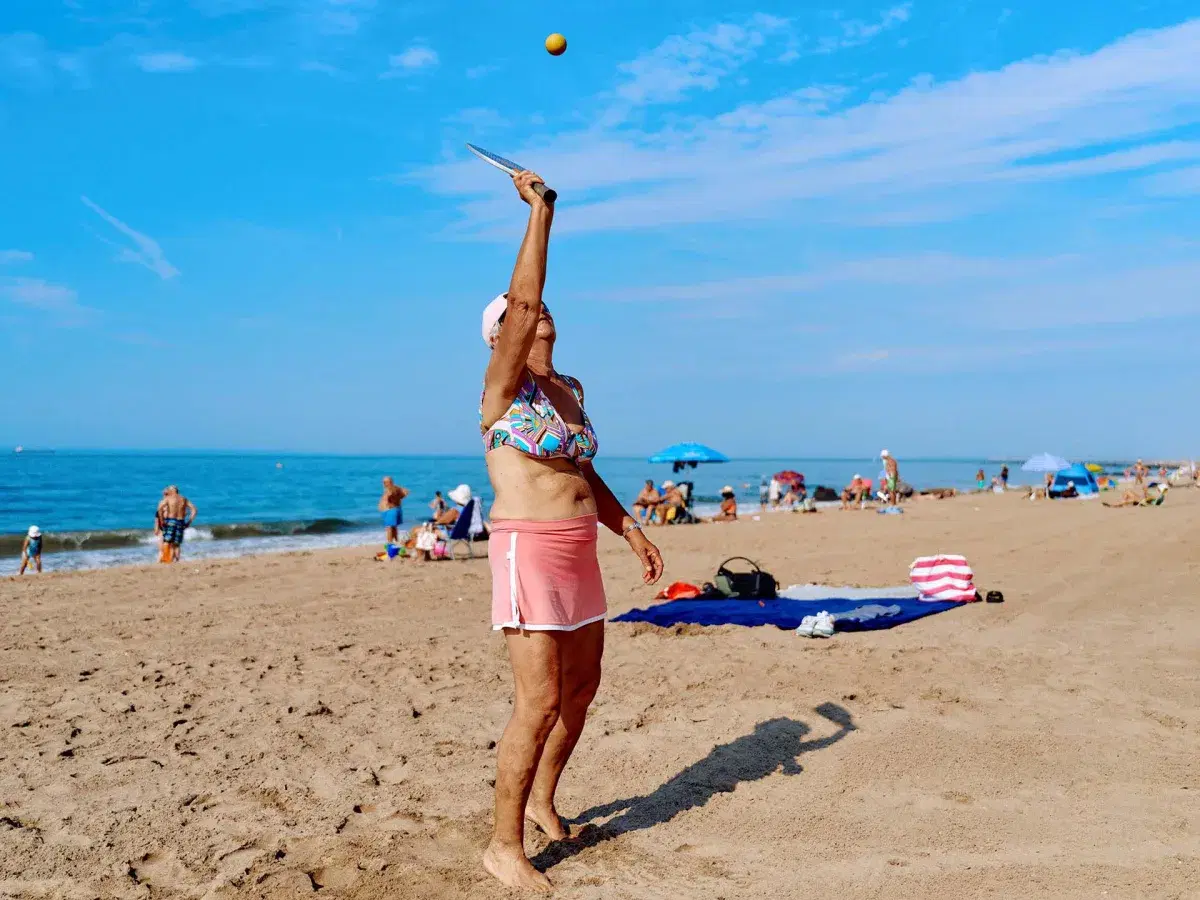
pixel 578 695
pixel 539 711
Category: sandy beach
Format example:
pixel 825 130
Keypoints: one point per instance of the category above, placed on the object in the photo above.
pixel 274 726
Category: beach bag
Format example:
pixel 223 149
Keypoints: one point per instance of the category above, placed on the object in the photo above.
pixel 943 577
pixel 753 585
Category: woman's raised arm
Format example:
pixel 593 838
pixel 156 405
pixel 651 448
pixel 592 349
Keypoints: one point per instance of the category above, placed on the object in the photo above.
pixel 506 370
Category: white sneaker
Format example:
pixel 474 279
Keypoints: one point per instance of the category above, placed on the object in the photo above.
pixel 823 627
pixel 807 624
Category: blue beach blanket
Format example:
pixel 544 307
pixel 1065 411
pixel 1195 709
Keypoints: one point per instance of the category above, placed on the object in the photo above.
pixel 862 610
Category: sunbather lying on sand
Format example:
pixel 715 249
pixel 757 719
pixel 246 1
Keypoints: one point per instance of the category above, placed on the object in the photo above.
pixel 939 493
pixel 1139 498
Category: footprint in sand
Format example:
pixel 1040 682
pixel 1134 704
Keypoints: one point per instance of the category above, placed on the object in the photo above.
pixel 368 817
pixel 323 785
pixel 238 861
pixel 162 869
pixel 335 878
pixel 393 773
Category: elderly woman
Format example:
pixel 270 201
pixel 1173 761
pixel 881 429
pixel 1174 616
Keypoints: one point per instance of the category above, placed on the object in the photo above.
pixel 729 508
pixel 547 592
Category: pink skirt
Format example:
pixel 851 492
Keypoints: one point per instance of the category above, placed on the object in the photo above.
pixel 545 575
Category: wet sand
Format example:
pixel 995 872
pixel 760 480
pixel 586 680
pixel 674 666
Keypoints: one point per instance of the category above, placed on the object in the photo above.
pixel 274 726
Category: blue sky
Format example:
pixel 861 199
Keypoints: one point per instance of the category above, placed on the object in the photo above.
pixel 947 228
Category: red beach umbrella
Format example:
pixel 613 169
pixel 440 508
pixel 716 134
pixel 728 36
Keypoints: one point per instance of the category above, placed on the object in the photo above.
pixel 789 476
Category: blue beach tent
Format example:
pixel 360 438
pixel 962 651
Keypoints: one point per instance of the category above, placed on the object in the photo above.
pixel 1085 481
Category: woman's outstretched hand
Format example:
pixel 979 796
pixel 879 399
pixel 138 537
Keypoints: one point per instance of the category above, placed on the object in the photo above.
pixel 524 182
pixel 652 561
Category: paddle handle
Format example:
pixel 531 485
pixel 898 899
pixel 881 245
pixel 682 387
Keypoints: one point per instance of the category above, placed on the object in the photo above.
pixel 546 193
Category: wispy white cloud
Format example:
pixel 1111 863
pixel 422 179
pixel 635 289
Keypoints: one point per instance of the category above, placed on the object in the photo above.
pixel 166 62
pixel 145 252
pixel 1176 183
pixel 340 17
pixel 920 270
pixel 698 60
pixel 10 257
pixel 1037 121
pixel 958 293
pixel 56 299
pixel 415 59
pixel 481 71
pixel 856 32
pixel 960 355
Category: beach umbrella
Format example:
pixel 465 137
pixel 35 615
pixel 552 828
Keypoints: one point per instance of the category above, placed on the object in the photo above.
pixel 688 453
pixel 1045 462
pixel 789 476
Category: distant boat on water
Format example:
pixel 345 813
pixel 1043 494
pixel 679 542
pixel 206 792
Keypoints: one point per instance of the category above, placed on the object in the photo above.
pixel 18 449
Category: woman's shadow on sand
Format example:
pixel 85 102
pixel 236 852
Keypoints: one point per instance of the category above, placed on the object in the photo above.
pixel 773 746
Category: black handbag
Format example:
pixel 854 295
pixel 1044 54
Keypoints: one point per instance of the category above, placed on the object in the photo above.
pixel 753 585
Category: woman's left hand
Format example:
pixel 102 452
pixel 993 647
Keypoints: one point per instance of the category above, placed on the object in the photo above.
pixel 652 561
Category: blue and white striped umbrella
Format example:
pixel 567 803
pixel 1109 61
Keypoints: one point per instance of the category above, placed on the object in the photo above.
pixel 1045 462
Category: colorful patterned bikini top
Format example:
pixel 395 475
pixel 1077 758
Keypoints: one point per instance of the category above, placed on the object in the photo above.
pixel 533 426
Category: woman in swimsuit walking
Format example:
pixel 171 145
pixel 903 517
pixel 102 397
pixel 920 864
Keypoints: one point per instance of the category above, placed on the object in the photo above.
pixel 547 592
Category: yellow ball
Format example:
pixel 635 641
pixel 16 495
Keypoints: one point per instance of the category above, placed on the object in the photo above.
pixel 556 44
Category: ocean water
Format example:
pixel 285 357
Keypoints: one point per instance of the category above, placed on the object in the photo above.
pixel 97 508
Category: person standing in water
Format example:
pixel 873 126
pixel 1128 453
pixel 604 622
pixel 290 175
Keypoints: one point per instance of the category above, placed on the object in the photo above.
pixel 31 550
pixel 547 591
pixel 438 505
pixel 389 508
pixel 174 516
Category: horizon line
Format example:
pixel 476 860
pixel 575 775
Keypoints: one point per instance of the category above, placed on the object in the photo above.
pixel 146 451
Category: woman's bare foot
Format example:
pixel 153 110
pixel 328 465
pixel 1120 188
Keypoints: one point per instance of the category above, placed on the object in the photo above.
pixel 511 867
pixel 548 820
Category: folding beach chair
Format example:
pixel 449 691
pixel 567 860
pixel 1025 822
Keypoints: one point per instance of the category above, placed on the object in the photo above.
pixel 468 529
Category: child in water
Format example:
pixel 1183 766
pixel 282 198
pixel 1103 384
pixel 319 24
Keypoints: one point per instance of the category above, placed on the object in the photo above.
pixel 31 550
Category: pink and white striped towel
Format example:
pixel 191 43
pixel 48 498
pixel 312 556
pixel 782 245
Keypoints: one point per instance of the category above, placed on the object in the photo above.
pixel 943 578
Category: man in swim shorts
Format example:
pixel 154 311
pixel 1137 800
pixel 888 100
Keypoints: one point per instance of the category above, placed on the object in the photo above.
pixel 389 507
pixel 646 503
pixel 892 468
pixel 172 518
